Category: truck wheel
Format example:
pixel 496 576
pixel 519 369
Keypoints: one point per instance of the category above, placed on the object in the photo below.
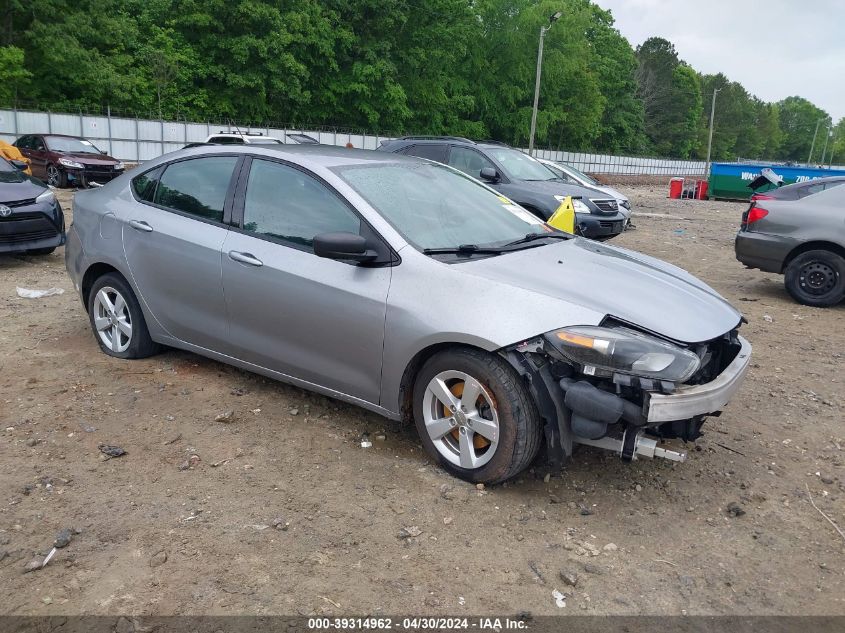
pixel 474 415
pixel 816 278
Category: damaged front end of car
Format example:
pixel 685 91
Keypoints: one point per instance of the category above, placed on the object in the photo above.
pixel 617 387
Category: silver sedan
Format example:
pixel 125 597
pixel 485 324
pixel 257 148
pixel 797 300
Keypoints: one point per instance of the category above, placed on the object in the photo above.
pixel 410 289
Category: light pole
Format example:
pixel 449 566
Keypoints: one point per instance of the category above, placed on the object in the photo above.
pixel 543 30
pixel 826 139
pixel 710 137
pixel 813 144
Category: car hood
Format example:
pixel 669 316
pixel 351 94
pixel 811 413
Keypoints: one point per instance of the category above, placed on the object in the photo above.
pixel 90 159
pixel 632 287
pixel 12 189
pixel 611 192
pixel 557 188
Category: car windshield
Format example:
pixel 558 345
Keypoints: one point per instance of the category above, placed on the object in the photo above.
pixel 519 166
pixel 8 172
pixel 580 174
pixel 68 145
pixel 433 206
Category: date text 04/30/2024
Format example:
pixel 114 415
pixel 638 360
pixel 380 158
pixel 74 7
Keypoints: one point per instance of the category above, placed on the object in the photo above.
pixel 417 623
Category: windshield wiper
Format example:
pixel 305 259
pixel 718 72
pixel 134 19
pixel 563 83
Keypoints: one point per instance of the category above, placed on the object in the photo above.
pixel 539 236
pixel 465 249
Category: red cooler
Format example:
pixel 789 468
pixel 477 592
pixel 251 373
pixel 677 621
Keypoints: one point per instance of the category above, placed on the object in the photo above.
pixel 676 187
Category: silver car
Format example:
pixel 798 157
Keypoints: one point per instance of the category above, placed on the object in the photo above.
pixel 410 289
pixel 802 238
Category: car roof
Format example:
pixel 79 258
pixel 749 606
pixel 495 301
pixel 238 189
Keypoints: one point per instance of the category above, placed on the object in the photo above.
pixel 309 155
pixel 454 140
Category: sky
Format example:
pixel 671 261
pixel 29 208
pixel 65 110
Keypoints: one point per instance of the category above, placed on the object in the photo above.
pixel 774 48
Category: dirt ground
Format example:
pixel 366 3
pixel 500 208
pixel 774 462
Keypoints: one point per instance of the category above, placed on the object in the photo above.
pixel 283 511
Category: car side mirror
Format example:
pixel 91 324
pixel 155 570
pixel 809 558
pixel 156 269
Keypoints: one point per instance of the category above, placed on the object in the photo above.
pixel 104 152
pixel 19 165
pixel 489 174
pixel 348 246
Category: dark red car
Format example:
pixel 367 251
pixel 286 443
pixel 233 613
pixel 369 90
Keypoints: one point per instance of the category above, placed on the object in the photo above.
pixel 68 160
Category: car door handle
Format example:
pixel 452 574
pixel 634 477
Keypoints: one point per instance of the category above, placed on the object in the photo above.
pixel 140 225
pixel 245 258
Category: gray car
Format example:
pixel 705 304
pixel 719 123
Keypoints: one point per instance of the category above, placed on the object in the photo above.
pixel 802 239
pixel 410 289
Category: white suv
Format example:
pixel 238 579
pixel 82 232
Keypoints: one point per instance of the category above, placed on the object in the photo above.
pixel 239 138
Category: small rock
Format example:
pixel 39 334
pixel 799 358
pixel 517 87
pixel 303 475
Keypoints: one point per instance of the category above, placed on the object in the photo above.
pixel 569 577
pixel 47 600
pixel 111 451
pixel 294 411
pixel 63 538
pixel 593 569
pixel 638 488
pixel 767 318
pixel 610 547
pixel 553 499
pixel 734 509
pixel 158 559
pixel 547 478
pixel 447 520
pixel 585 511
pixel 33 565
pixel 826 478
pixel 409 532
pixel 31 442
pixel 479 486
pixel 447 492
pixel 239 391
pixel 381 437
pixel 432 601
pixel 281 524
pixel 226 416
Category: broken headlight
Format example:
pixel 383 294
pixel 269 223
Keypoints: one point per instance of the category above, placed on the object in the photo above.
pixel 623 351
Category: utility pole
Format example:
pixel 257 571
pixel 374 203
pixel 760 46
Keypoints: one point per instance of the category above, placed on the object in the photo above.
pixel 813 144
pixel 826 139
pixel 543 30
pixel 710 136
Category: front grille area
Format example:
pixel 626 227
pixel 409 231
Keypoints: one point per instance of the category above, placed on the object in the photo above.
pixel 19 203
pixel 715 356
pixel 607 206
pixel 25 227
pixel 17 238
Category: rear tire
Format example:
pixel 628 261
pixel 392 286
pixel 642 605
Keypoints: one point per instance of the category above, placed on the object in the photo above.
pixel 816 278
pixel 493 433
pixel 117 320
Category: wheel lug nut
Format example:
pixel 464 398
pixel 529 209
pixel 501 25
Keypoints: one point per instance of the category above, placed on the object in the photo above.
pixel 452 407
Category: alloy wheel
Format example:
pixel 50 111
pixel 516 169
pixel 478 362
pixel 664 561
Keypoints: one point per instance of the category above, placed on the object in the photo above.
pixel 53 176
pixel 461 419
pixel 112 319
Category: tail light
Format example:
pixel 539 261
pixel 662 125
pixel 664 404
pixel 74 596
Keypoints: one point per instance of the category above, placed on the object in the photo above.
pixel 761 196
pixel 753 214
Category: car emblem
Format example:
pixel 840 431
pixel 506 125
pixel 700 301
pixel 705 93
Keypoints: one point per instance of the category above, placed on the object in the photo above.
pixel 5 211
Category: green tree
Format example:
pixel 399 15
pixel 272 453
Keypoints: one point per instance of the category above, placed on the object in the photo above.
pixel 13 75
pixel 798 120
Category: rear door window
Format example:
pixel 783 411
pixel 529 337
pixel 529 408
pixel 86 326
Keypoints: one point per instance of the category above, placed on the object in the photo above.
pixel 227 140
pixel 431 151
pixel 197 187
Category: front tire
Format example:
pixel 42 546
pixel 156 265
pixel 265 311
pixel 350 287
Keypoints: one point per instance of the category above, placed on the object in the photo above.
pixel 475 416
pixel 816 278
pixel 116 319
pixel 56 177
